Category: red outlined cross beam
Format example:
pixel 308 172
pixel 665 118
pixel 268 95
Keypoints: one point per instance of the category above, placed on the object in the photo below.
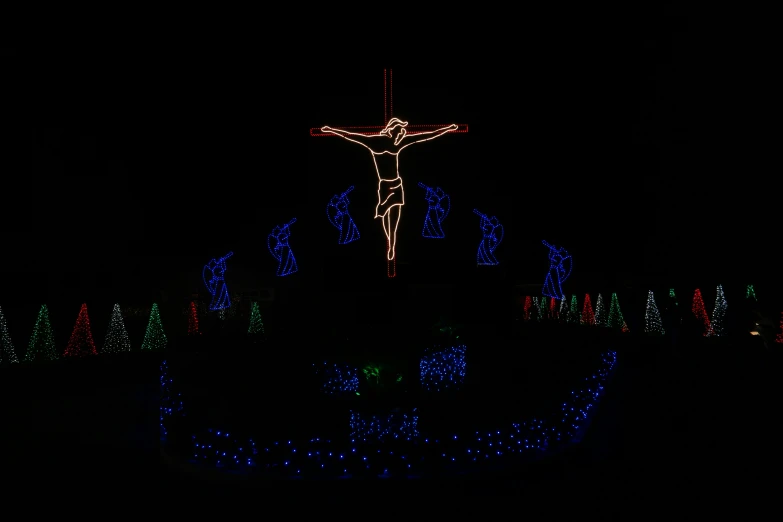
pixel 388 111
pixel 374 130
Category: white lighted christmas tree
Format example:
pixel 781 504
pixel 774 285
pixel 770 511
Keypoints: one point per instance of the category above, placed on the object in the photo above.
pixel 718 321
pixel 117 339
pixel 7 352
pixel 600 311
pixel 652 317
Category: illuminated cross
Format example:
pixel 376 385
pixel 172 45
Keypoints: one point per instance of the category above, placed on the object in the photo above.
pixel 385 142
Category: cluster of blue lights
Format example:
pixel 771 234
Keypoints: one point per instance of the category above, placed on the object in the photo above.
pixel 443 370
pixel 277 243
pixel 492 232
pixel 216 282
pixel 438 206
pixel 170 402
pixel 338 379
pixel 337 212
pixel 397 425
pixel 393 446
pixel 560 266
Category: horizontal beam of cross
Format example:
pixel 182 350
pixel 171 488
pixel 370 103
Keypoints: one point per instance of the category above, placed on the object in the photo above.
pixel 370 130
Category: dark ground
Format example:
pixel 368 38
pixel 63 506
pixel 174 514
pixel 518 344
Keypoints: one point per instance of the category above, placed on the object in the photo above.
pixel 695 428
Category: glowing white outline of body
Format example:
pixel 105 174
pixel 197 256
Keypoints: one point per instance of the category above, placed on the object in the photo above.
pixel 392 125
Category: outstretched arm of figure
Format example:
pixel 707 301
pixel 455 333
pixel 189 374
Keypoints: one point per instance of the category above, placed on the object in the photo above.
pixel 445 204
pixel 410 139
pixel 361 139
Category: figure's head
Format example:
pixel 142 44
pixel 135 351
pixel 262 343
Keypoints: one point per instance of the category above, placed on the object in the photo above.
pixel 395 129
pixel 439 192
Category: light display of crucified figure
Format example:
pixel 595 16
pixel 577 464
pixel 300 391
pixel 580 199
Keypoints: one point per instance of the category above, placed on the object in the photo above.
pixel 216 284
pixel 337 211
pixel 492 232
pixel 558 272
pixel 438 206
pixel 385 147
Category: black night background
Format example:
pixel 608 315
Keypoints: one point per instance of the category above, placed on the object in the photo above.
pixel 141 163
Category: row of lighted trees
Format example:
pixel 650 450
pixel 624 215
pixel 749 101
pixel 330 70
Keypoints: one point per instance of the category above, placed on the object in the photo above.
pixel 81 343
pixel 541 308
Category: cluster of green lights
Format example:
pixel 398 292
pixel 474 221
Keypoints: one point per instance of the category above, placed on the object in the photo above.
pixel 42 346
pixel 7 352
pixel 154 338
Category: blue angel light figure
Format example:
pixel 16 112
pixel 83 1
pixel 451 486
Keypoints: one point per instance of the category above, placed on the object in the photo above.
pixel 277 242
pixel 438 208
pixel 560 264
pixel 493 235
pixel 337 211
pixel 216 284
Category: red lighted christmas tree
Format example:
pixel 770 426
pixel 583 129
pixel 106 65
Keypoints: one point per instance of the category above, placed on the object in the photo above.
pixel 587 312
pixel 193 320
pixel 81 343
pixel 528 305
pixel 699 311
pixel 779 338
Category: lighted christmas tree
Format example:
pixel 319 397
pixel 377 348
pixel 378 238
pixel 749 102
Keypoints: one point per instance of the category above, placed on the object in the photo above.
pixel 117 339
pixel 588 317
pixel 526 309
pixel 750 293
pixel 81 343
pixel 552 307
pixel 154 337
pixel 779 337
pixel 673 297
pixel 600 311
pixel 615 318
pixel 256 323
pixel 652 317
pixel 7 352
pixel 193 320
pixel 541 310
pixel 41 346
pixel 562 312
pixel 573 311
pixel 699 311
pixel 718 321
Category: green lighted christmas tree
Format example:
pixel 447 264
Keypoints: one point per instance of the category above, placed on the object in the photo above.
pixel 573 311
pixel 600 311
pixel 673 297
pixel 117 339
pixel 7 352
pixel 750 293
pixel 652 317
pixel 615 318
pixel 154 337
pixel 588 317
pixel 256 327
pixel 541 307
pixel 718 321
pixel 41 346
